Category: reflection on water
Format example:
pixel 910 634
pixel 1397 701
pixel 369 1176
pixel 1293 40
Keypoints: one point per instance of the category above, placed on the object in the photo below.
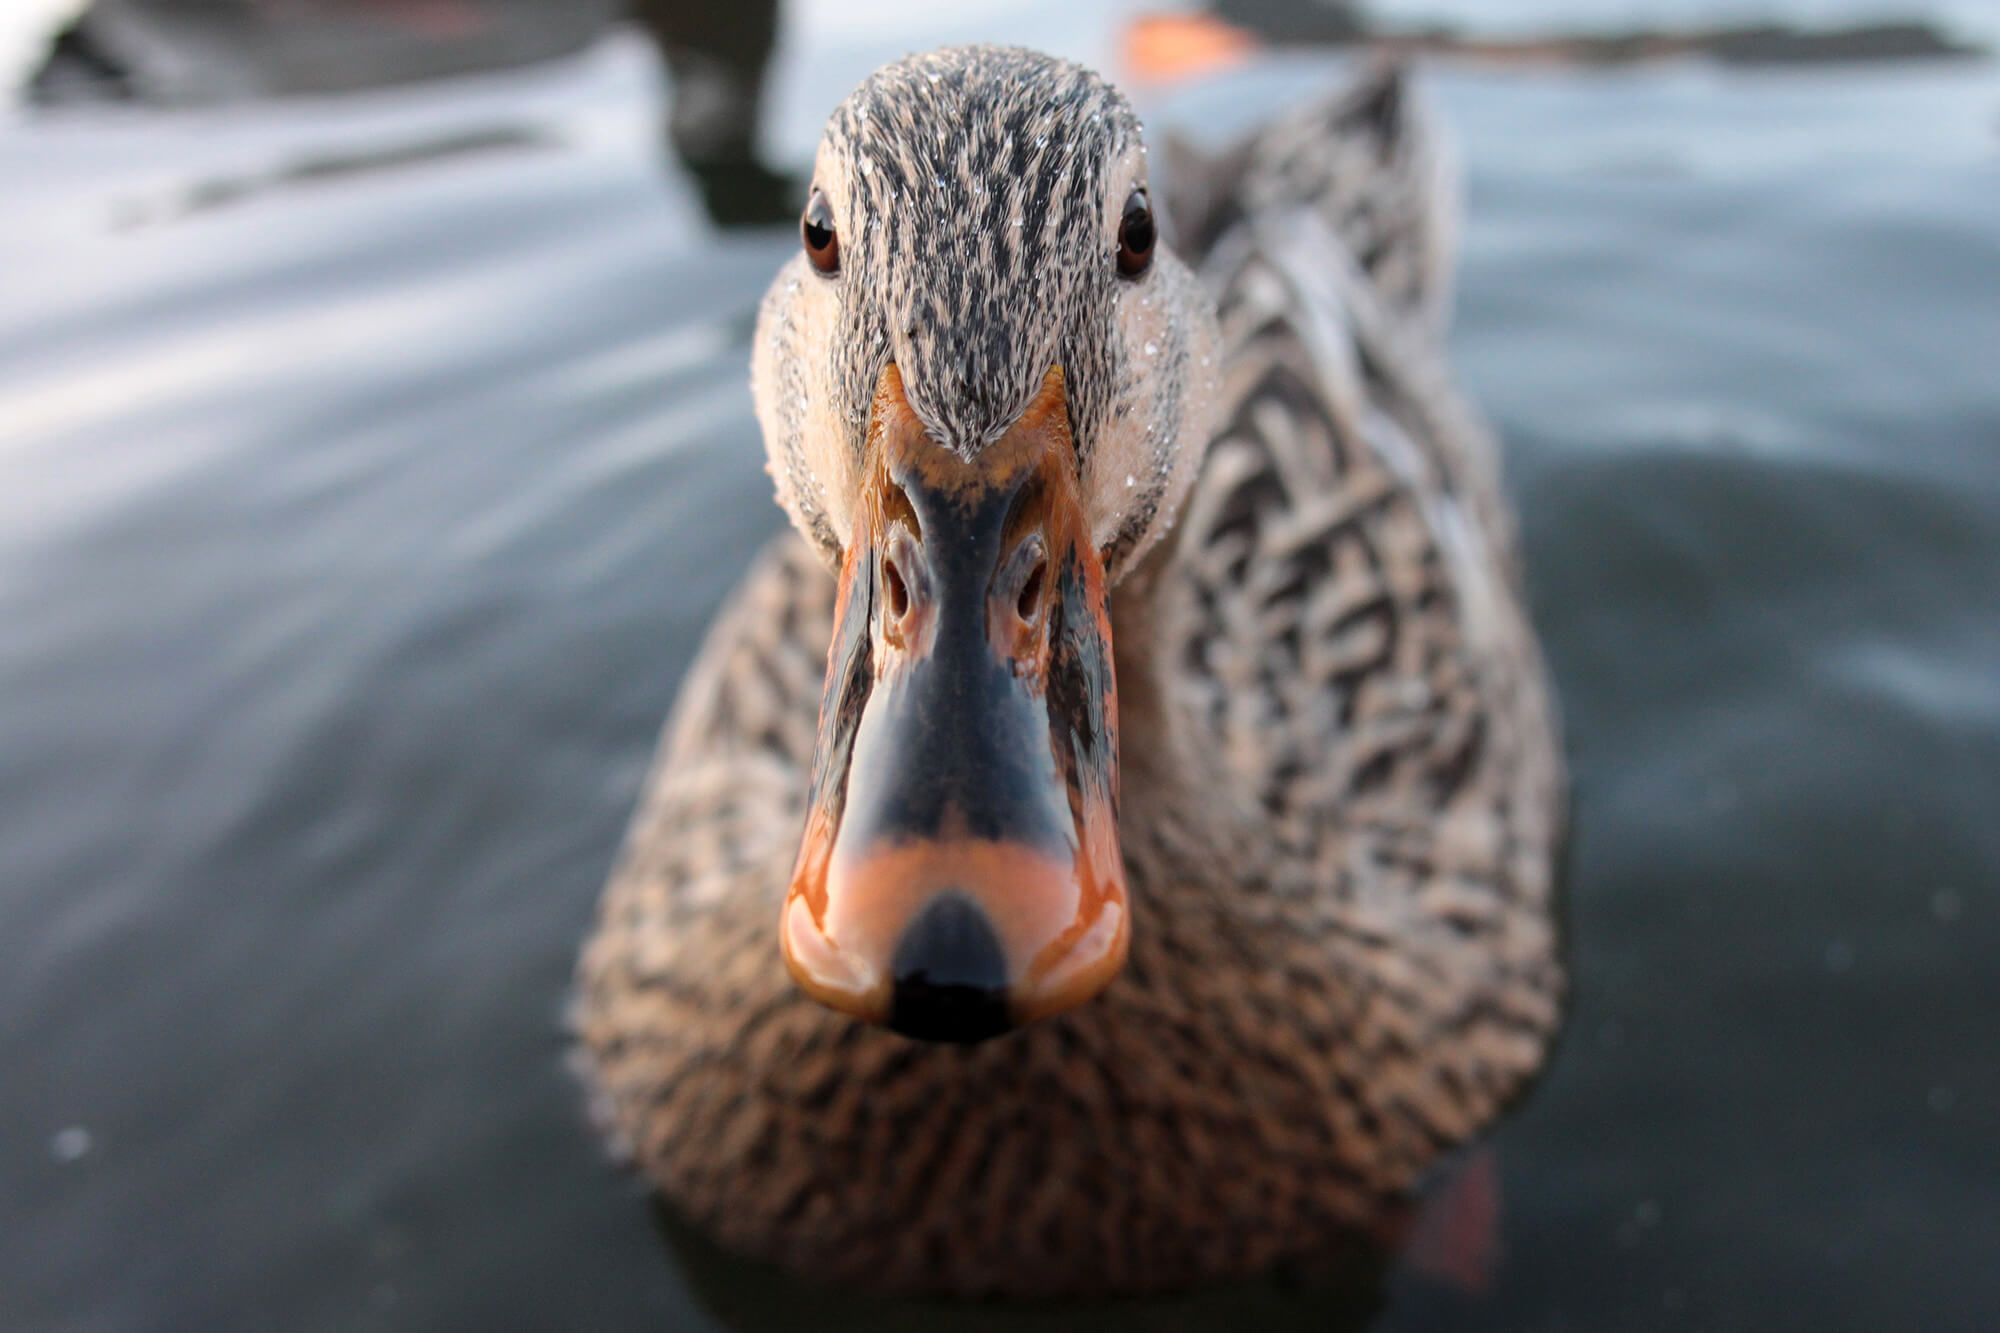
pixel 319 168
pixel 1344 1295
pixel 359 512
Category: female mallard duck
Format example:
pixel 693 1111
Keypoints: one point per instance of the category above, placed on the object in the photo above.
pixel 1147 681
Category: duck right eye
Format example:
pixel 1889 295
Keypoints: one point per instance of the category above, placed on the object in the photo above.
pixel 1136 235
pixel 816 227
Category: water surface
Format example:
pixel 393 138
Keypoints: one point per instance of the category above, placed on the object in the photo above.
pixel 356 526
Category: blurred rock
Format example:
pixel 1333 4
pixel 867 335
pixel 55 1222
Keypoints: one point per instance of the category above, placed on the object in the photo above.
pixel 183 52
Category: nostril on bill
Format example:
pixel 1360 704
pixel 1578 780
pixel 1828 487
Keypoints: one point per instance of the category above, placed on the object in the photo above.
pixel 898 589
pixel 1030 600
pixel 950 975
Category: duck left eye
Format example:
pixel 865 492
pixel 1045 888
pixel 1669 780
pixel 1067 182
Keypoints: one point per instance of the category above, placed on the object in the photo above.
pixel 1135 235
pixel 816 229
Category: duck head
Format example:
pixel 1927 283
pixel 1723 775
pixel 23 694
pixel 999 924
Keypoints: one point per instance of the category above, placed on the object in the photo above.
pixel 984 386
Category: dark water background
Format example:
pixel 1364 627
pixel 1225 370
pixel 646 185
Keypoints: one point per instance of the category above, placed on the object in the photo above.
pixel 355 528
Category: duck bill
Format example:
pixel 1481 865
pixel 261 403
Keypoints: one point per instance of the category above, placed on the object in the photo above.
pixel 960 872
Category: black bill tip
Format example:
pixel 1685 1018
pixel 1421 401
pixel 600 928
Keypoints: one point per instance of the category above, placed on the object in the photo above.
pixel 950 975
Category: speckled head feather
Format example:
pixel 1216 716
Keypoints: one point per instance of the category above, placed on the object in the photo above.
pixel 977 192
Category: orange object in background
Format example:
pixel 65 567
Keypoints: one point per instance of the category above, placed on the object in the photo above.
pixel 1165 47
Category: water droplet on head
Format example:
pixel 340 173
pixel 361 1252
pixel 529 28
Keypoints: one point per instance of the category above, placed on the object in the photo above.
pixel 1152 349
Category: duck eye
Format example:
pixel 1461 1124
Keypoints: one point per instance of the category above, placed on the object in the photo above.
pixel 822 242
pixel 1135 235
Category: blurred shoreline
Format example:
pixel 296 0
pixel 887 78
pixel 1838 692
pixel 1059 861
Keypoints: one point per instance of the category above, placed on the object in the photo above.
pixel 1744 45
pixel 177 52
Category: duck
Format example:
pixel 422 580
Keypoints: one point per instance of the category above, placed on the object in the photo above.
pixel 1108 842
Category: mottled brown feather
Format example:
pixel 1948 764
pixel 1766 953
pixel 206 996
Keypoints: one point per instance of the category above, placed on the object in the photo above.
pixel 1343 803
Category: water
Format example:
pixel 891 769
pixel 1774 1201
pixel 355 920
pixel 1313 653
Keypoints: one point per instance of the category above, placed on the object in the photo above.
pixel 356 526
